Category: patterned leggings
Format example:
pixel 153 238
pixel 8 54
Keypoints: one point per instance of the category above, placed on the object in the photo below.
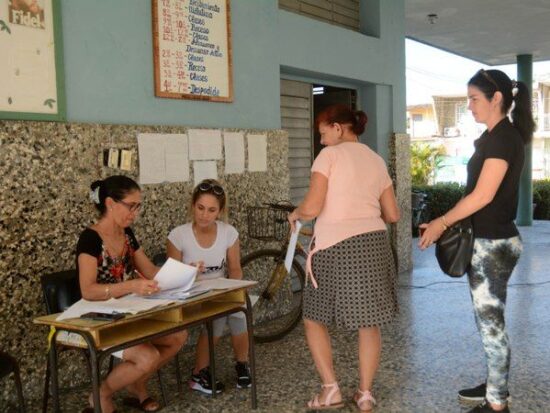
pixel 492 265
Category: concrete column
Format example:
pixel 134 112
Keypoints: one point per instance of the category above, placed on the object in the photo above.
pixel 525 205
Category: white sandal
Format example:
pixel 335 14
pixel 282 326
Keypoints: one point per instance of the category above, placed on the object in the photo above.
pixel 365 398
pixel 315 404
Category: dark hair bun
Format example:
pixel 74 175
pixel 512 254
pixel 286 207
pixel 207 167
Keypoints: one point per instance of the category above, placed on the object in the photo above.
pixel 361 121
pixel 95 184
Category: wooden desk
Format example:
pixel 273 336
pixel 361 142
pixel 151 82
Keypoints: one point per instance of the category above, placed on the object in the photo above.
pixel 102 338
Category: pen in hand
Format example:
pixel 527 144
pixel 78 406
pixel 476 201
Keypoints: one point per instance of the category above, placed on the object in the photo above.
pixel 152 286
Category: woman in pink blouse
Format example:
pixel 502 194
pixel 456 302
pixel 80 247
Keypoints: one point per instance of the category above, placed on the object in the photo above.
pixel 351 266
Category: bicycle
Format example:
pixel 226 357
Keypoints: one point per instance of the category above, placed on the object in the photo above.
pixel 420 212
pixel 277 298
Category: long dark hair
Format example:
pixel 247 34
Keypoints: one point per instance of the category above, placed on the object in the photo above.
pixel 343 115
pixel 116 187
pixel 491 81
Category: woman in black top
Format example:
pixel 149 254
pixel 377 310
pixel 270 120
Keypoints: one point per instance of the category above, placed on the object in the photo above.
pixel 111 263
pixel 491 200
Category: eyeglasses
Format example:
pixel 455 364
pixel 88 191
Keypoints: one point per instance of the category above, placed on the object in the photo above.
pixel 488 77
pixel 132 207
pixel 207 186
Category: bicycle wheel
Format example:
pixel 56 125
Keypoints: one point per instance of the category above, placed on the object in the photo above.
pixel 277 298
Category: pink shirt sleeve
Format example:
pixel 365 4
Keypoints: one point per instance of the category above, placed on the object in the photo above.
pixel 323 162
pixel 385 181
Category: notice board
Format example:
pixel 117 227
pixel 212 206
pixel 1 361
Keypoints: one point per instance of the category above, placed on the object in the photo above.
pixel 31 68
pixel 192 49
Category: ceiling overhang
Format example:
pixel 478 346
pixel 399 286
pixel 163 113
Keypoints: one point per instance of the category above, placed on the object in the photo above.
pixel 493 32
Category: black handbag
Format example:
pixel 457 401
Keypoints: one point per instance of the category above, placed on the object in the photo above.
pixel 455 247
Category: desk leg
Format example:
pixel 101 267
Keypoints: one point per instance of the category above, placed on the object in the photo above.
pixel 212 356
pixel 96 373
pixel 94 362
pixel 54 382
pixel 251 353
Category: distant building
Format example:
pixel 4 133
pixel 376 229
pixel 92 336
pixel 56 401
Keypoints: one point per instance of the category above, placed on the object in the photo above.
pixel 447 122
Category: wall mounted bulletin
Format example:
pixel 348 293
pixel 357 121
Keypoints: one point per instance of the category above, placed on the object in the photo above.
pixel 163 158
pixel 31 73
pixel 257 153
pixel 192 49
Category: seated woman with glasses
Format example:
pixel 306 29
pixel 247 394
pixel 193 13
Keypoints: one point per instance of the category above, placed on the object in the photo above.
pixel 213 246
pixel 111 263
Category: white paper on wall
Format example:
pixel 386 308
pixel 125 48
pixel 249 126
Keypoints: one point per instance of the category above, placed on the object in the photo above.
pixel 257 153
pixel 204 170
pixel 205 144
pixel 177 157
pixel 152 168
pixel 234 152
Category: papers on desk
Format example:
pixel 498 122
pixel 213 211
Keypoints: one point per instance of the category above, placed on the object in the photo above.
pixel 130 304
pixel 222 283
pixel 199 288
pixel 175 280
pixel 292 245
pixel 176 274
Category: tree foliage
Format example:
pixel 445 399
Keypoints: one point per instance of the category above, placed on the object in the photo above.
pixel 425 159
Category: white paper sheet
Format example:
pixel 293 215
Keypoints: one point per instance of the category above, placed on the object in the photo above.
pixel 205 144
pixel 152 167
pixel 257 153
pixel 234 152
pixel 204 170
pixel 222 283
pixel 292 246
pixel 129 304
pixel 175 274
pixel 176 157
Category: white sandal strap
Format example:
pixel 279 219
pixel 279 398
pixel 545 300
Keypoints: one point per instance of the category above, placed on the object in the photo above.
pixel 331 393
pixel 366 396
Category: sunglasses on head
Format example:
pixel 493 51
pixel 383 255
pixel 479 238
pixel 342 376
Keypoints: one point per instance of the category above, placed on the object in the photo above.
pixel 488 77
pixel 207 186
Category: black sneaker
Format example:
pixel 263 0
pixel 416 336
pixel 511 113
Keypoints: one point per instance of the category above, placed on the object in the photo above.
pixel 475 394
pixel 485 407
pixel 203 382
pixel 244 379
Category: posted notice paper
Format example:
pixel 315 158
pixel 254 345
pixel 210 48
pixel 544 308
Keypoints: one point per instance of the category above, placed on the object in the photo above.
pixel 176 157
pixel 152 168
pixel 234 152
pixel 204 170
pixel 257 153
pixel 205 144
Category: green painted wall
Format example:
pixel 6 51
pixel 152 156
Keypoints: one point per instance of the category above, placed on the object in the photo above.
pixel 109 64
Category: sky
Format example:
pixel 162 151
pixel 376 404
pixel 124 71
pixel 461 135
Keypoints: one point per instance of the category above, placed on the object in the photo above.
pixel 431 71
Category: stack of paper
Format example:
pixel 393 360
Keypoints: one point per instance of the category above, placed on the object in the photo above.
pixel 175 280
pixel 130 304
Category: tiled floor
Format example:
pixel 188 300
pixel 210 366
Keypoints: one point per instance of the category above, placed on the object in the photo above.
pixel 430 352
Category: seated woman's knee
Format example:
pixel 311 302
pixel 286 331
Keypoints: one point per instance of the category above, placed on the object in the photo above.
pixel 146 357
pixel 178 339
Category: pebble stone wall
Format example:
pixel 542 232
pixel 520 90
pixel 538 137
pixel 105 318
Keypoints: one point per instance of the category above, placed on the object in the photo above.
pixel 46 169
pixel 399 166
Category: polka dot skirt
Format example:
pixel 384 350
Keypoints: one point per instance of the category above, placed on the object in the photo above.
pixel 357 283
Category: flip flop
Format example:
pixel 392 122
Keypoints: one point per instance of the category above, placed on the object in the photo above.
pixel 136 404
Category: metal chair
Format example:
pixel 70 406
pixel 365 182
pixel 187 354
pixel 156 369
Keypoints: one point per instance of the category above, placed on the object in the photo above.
pixel 9 365
pixel 61 290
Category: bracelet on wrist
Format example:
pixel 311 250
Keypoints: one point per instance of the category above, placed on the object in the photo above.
pixel 444 219
pixel 107 292
pixel 445 226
